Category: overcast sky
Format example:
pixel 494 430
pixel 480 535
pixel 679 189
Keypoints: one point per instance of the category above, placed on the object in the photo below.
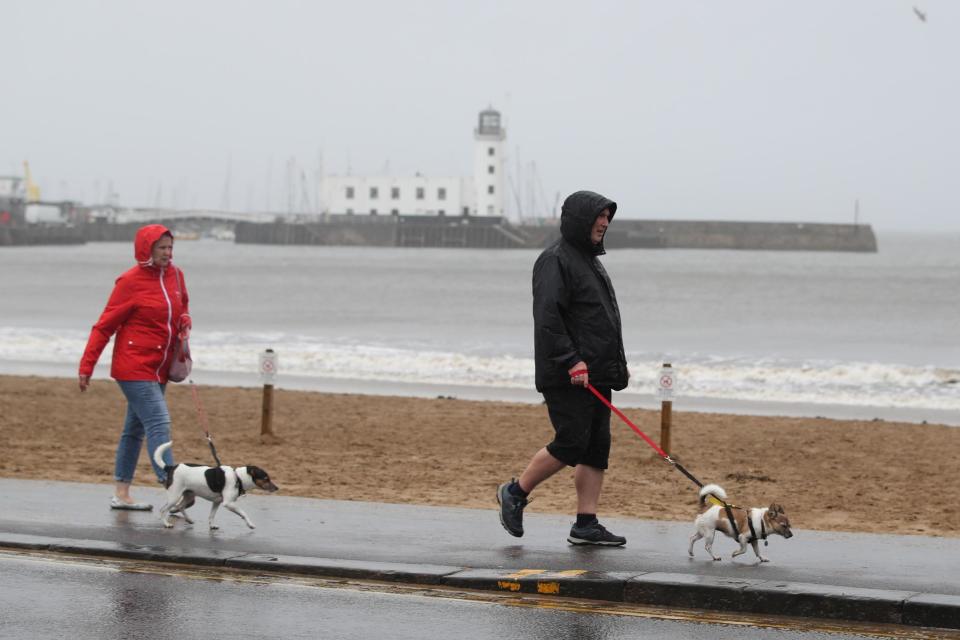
pixel 735 110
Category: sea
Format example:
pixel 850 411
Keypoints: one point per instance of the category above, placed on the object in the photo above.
pixel 837 335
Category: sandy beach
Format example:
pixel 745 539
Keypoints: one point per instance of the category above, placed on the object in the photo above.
pixel 831 475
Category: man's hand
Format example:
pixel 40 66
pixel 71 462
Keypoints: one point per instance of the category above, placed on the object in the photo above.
pixel 84 383
pixel 579 374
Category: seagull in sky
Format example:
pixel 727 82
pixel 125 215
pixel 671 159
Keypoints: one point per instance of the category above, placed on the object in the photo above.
pixel 920 14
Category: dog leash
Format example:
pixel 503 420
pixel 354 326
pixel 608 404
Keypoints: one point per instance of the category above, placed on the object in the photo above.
pixel 203 421
pixel 636 429
pixel 663 454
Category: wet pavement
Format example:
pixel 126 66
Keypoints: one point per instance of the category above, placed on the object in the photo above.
pixel 881 578
pixel 59 596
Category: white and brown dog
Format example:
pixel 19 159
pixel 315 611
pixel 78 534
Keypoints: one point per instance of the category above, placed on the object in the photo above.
pixel 743 525
pixel 220 485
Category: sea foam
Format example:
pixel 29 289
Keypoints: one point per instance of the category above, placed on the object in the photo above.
pixel 698 375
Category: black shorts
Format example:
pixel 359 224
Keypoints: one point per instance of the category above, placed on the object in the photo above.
pixel 582 426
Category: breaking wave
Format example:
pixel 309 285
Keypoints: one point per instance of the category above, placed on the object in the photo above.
pixel 704 376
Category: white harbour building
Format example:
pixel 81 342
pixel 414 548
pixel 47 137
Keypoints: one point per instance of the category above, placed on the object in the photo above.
pixel 479 195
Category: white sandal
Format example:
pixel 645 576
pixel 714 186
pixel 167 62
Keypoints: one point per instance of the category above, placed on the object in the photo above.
pixel 117 503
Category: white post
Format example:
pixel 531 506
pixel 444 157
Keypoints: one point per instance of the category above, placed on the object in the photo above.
pixel 268 375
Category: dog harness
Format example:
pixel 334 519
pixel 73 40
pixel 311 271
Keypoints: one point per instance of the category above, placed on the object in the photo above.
pixel 733 521
pixel 753 531
pixel 240 490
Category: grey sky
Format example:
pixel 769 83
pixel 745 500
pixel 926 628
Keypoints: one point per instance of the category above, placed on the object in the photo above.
pixel 749 110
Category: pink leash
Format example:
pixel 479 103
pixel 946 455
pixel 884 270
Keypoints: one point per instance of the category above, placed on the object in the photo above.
pixel 203 421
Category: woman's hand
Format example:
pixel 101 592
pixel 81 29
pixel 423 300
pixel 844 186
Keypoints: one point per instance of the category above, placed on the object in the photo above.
pixel 84 382
pixel 185 325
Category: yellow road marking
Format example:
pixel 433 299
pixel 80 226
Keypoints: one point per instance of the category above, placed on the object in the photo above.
pixel 546 587
pixel 523 573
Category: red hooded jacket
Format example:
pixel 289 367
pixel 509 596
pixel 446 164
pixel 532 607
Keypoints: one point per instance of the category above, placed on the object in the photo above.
pixel 149 306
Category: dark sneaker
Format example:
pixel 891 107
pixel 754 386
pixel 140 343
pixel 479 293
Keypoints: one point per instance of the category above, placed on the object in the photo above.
pixel 594 534
pixel 511 509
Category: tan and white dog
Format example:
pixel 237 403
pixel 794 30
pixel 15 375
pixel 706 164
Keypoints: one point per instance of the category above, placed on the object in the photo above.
pixel 752 525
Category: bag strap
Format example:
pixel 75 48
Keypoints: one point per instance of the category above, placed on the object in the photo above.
pixel 180 288
pixel 180 283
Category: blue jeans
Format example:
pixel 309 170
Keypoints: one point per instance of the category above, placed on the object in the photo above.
pixel 146 415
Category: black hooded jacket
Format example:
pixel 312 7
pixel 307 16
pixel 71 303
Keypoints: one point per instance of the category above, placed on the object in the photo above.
pixel 575 313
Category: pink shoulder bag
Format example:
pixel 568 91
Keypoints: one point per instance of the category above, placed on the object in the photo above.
pixel 182 363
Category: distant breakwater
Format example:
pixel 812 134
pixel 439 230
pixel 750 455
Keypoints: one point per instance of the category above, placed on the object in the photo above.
pixel 763 236
pixel 496 233
pixel 482 233
pixel 39 235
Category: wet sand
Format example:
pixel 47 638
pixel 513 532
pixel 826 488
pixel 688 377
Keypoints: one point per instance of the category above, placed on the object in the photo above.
pixel 832 475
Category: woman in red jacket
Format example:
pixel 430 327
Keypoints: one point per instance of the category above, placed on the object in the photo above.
pixel 148 309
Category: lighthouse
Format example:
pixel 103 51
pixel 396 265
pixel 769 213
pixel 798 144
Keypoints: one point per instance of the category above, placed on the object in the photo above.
pixel 482 194
pixel 489 180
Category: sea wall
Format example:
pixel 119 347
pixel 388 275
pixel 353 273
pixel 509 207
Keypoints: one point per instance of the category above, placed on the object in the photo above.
pixel 769 236
pixel 401 231
pixel 39 234
pixel 318 233
pixel 103 231
pixel 386 231
pixel 489 233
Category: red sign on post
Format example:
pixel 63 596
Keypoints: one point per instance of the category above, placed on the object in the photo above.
pixel 668 383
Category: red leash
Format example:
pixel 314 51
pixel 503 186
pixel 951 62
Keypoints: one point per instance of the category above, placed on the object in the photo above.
pixel 630 424
pixel 726 506
pixel 640 433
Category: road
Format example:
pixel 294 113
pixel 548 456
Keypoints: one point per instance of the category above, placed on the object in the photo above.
pixel 57 596
pixel 885 579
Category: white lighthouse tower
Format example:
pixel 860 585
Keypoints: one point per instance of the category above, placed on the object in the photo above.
pixel 489 179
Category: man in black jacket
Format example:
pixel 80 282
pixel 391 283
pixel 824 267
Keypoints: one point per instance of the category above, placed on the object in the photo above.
pixel 577 340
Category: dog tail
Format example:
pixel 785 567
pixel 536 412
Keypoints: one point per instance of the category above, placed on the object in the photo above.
pixel 714 490
pixel 158 454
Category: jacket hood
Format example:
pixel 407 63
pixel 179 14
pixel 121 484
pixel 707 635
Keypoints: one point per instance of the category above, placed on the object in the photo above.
pixel 580 211
pixel 143 244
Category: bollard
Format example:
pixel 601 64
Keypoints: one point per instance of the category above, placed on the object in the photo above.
pixel 667 385
pixel 268 374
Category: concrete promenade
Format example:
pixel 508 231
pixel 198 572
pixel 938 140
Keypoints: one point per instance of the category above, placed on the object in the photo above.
pixel 909 580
